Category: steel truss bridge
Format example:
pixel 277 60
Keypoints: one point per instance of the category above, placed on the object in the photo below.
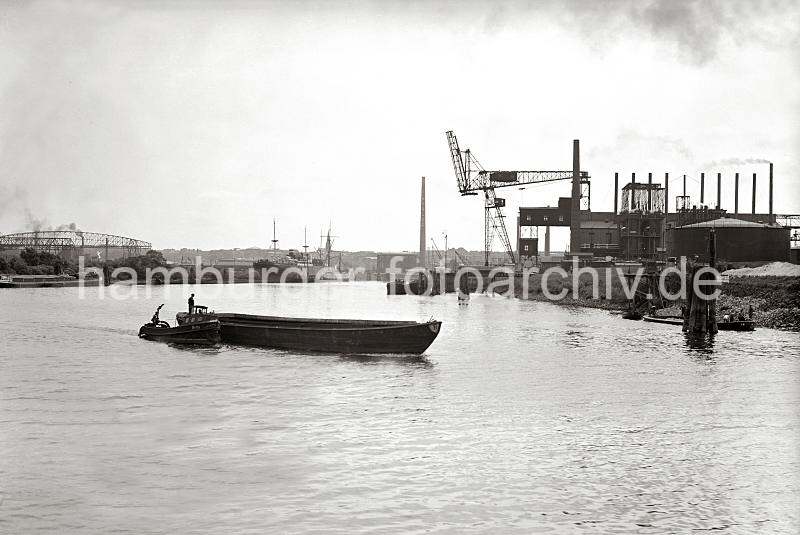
pixel 59 241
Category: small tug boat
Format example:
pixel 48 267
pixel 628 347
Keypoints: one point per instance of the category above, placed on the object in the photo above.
pixel 198 328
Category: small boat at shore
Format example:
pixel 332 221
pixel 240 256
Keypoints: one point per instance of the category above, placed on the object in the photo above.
pixel 731 325
pixel 344 336
pixel 195 329
pixel 665 320
pixel 736 325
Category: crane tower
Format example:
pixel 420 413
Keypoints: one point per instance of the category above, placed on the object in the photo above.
pixel 473 178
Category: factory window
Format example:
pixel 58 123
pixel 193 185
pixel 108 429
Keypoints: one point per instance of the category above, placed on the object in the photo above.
pixel 561 218
pixel 525 248
pixel 544 218
pixel 528 217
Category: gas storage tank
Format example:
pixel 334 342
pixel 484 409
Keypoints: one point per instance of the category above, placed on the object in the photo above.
pixel 737 241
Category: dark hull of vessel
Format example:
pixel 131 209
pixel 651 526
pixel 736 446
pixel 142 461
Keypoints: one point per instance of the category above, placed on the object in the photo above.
pixel 201 333
pixel 667 321
pixel 328 335
pixel 744 325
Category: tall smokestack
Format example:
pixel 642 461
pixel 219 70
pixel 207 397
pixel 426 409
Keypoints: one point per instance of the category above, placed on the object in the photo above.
pixel 423 260
pixel 547 240
pixel 702 188
pixel 616 193
pixel 575 216
pixel 754 193
pixel 736 194
pixel 770 189
pixel 649 192
pixel 666 193
pixel 719 191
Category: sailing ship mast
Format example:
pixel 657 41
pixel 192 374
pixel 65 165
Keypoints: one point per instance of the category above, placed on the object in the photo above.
pixel 305 243
pixel 274 236
pixel 328 246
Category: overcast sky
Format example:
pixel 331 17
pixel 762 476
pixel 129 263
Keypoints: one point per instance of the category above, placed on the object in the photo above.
pixel 193 124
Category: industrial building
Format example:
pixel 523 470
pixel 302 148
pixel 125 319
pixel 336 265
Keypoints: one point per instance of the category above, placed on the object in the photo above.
pixel 600 235
pixel 641 227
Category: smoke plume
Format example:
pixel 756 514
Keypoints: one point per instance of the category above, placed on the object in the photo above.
pixel 728 162
pixel 35 223
pixel 697 29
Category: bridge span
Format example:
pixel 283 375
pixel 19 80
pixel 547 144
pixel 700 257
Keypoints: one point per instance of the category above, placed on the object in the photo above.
pixel 71 242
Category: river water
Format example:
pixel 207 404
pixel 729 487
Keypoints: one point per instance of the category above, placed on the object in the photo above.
pixel 522 417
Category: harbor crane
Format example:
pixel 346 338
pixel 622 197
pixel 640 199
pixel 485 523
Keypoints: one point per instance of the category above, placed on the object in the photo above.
pixel 442 258
pixel 473 178
pixel 458 255
pixel 436 250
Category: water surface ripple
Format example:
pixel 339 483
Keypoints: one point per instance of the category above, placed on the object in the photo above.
pixel 523 417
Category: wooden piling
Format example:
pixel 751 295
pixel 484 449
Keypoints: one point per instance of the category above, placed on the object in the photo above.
pixel 701 312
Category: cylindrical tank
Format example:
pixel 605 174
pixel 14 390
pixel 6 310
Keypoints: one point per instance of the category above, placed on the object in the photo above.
pixel 737 241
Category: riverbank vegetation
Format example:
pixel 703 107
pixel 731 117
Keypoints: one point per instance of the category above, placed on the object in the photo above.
pixel 775 300
pixel 32 262
pixel 139 264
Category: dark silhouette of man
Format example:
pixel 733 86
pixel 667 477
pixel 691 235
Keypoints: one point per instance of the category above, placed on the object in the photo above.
pixel 155 319
pixel 191 304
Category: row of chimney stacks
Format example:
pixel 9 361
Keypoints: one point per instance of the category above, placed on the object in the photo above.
pixel 702 190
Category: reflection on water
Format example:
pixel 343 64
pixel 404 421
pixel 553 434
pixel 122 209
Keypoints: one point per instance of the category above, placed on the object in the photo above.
pixel 700 342
pixel 521 417
pixel 419 361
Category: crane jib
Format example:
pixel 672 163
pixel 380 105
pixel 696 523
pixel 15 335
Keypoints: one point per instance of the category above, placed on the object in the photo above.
pixel 472 178
pixel 503 176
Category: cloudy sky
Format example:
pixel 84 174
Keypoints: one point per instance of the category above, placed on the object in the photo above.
pixel 194 124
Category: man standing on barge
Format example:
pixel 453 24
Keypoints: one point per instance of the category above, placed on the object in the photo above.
pixel 191 304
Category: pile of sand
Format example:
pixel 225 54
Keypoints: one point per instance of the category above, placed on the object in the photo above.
pixel 775 269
